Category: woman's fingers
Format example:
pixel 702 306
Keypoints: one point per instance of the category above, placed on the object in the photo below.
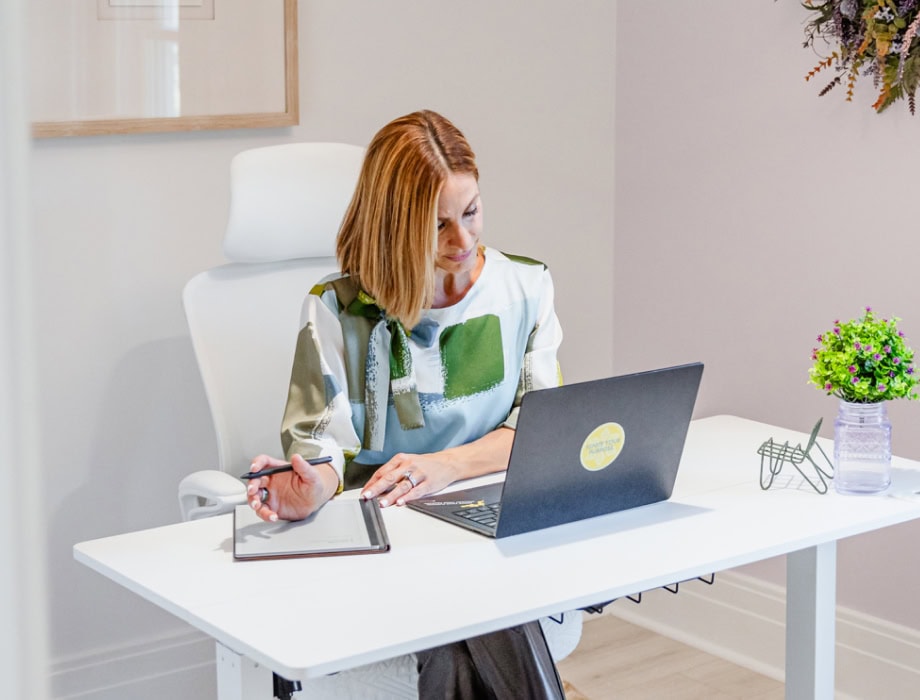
pixel 381 480
pixel 401 479
pixel 385 479
pixel 288 495
pixel 263 461
pixel 260 492
pixel 399 494
pixel 261 498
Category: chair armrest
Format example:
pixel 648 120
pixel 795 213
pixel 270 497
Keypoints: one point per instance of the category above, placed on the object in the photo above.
pixel 209 492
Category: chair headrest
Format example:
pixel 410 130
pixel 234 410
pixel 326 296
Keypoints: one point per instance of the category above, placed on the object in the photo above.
pixel 288 201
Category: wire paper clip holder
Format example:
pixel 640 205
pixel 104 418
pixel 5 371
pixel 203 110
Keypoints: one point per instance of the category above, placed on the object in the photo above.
pixel 773 456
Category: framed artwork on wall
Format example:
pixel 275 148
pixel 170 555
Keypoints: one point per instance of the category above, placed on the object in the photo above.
pixel 142 66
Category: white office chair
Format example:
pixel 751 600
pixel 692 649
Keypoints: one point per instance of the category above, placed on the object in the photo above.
pixel 286 205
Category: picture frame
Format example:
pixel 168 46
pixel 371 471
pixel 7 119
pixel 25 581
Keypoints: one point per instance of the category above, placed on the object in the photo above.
pixel 146 66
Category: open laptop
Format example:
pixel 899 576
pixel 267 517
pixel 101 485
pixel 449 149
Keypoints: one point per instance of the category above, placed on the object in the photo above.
pixel 580 451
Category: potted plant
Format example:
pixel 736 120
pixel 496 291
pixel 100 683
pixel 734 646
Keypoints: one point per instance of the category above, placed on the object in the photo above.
pixel 864 363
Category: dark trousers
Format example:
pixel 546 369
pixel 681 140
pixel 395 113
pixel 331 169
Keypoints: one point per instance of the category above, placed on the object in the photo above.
pixel 511 664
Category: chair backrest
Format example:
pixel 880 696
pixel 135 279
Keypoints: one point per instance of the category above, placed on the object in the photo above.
pixel 286 205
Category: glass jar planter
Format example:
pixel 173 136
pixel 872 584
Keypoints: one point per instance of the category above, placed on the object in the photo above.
pixel 862 448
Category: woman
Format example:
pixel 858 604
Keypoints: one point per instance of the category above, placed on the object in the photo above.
pixel 410 367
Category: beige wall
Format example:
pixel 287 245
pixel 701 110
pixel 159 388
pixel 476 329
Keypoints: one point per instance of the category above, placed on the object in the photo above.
pixel 121 222
pixel 750 213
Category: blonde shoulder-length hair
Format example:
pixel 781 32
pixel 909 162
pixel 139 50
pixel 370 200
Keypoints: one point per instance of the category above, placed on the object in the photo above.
pixel 388 239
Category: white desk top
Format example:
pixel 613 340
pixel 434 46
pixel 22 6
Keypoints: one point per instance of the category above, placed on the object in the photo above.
pixel 440 583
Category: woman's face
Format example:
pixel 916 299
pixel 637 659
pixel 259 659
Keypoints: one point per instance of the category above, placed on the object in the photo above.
pixel 459 224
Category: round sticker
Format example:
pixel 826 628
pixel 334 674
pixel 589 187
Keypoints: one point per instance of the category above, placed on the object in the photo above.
pixel 602 446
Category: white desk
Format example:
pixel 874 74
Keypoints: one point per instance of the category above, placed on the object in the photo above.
pixel 327 614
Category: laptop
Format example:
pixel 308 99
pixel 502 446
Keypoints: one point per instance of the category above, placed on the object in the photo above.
pixel 580 451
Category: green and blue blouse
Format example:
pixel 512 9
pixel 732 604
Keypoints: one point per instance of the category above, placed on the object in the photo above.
pixel 364 389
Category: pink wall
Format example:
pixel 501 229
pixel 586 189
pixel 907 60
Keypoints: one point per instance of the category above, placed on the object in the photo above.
pixel 750 213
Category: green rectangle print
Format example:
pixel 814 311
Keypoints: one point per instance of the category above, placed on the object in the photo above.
pixel 472 356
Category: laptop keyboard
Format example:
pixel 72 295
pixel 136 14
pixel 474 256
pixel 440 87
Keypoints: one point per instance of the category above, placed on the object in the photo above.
pixel 484 515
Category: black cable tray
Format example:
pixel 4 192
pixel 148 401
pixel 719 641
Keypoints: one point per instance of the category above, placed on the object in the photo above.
pixel 674 588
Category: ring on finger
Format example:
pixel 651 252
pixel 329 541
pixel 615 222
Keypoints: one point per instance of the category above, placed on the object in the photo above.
pixel 263 495
pixel 411 479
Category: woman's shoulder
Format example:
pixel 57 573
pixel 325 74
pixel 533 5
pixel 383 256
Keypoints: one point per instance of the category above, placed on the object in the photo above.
pixel 512 259
pixel 335 291
pixel 515 259
pixel 524 270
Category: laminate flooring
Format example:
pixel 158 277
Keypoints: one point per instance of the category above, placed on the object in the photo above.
pixel 616 660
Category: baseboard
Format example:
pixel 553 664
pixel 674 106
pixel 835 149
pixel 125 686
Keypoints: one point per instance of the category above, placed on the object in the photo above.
pixel 179 665
pixel 742 619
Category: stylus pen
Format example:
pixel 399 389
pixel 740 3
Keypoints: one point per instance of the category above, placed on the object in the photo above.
pixel 284 468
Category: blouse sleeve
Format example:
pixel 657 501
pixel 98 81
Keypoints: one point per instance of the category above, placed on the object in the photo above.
pixel 317 417
pixel 540 367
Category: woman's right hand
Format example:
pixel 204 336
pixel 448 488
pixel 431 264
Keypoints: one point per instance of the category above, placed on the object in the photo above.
pixel 292 495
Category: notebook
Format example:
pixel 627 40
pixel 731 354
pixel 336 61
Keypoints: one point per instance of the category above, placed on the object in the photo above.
pixel 341 526
pixel 580 451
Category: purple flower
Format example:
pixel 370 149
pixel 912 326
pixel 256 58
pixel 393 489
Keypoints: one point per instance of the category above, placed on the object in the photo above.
pixel 891 374
pixel 836 330
pixel 854 380
pixel 852 369
pixel 887 349
pixel 868 309
pixel 857 345
pixel 868 348
pixel 881 388
pixel 910 370
pixel 828 387
pixel 876 356
pixel 820 338
pixel 897 360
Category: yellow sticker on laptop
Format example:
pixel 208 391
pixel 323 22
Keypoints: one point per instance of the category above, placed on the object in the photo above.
pixel 602 446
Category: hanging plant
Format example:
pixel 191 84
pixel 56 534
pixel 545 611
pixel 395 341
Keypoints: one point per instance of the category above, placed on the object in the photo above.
pixel 874 39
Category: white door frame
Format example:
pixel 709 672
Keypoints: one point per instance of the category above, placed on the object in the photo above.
pixel 23 602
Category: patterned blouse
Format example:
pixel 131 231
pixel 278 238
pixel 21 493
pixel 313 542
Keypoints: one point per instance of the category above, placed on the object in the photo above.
pixel 363 389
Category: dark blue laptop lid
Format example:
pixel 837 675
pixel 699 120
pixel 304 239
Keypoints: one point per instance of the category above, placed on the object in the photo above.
pixel 597 447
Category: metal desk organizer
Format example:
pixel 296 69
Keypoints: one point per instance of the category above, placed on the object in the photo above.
pixel 773 456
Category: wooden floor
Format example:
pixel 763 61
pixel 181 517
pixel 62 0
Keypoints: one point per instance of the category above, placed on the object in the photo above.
pixel 616 660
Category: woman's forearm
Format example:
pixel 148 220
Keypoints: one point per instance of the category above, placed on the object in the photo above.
pixel 488 454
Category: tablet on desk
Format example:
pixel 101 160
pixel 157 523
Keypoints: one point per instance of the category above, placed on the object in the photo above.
pixel 341 526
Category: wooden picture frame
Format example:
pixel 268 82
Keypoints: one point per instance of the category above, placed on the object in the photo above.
pixel 104 15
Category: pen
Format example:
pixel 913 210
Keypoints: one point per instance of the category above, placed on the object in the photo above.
pixel 284 468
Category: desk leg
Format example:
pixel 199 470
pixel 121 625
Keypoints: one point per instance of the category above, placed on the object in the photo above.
pixel 811 601
pixel 239 678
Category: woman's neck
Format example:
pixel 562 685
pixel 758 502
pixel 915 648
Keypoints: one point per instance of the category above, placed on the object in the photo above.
pixel 450 288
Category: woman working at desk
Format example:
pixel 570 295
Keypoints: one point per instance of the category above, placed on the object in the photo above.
pixel 416 359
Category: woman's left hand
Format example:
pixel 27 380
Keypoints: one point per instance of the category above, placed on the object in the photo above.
pixel 409 476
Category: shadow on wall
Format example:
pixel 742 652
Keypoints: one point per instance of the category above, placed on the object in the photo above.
pixel 153 428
